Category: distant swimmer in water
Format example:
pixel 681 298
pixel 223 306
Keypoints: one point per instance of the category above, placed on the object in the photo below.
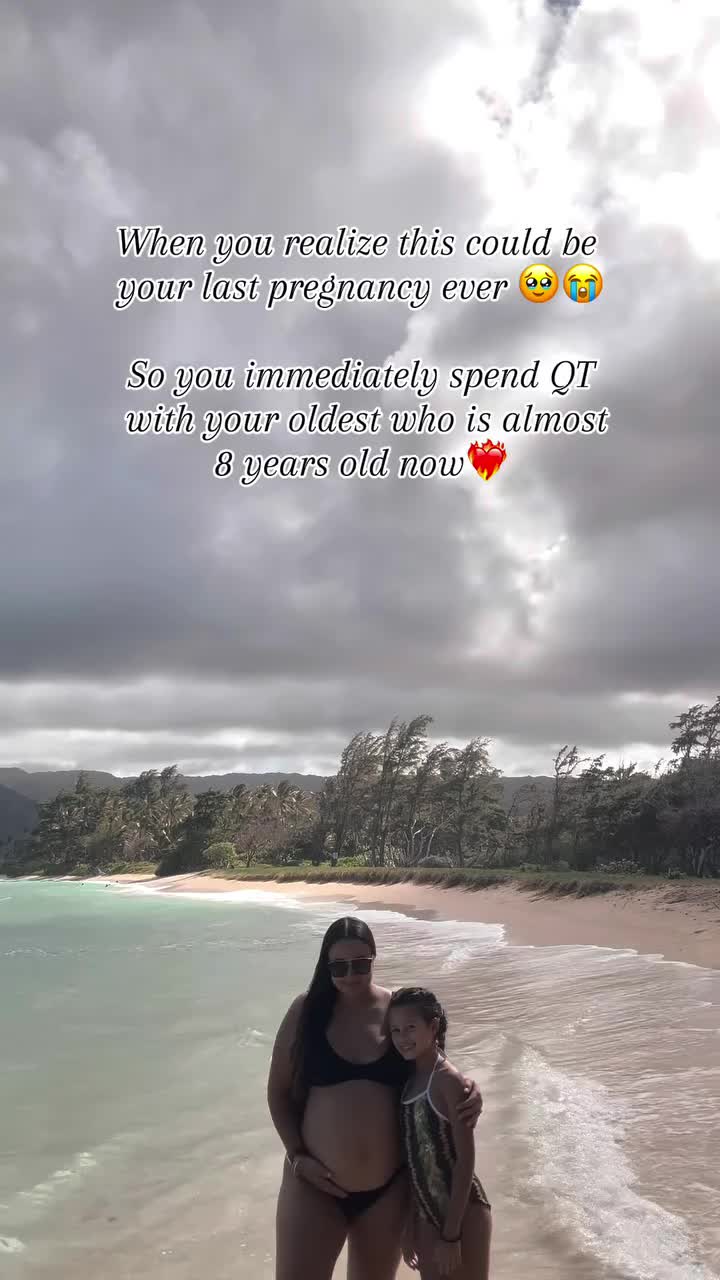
pixel 450 1224
pixel 334 1096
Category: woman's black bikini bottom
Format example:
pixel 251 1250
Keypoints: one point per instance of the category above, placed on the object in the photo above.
pixel 356 1202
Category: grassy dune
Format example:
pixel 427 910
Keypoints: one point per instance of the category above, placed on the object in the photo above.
pixel 553 883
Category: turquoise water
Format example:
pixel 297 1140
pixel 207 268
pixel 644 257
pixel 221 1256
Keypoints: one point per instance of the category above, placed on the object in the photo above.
pixel 136 1033
pixel 135 1040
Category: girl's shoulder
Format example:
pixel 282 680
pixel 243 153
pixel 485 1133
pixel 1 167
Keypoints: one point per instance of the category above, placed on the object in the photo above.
pixel 449 1081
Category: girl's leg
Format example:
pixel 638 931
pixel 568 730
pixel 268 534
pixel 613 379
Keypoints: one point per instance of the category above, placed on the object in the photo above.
pixel 310 1231
pixel 375 1237
pixel 427 1238
pixel 476 1236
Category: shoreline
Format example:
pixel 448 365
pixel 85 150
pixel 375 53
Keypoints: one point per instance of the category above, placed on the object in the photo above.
pixel 669 923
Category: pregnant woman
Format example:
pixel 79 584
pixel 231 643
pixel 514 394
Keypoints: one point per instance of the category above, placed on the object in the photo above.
pixel 334 1097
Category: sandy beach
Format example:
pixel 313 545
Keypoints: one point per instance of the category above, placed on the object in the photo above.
pixel 675 922
pixel 597 1068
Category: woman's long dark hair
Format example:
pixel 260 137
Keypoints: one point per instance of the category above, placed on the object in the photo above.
pixel 321 996
pixel 429 1006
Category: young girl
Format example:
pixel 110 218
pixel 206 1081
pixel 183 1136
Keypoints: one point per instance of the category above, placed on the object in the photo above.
pixel 451 1222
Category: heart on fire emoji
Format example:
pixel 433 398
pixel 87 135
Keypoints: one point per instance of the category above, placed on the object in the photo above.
pixel 487 458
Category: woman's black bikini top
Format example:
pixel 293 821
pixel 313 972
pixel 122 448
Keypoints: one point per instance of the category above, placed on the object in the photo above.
pixel 326 1067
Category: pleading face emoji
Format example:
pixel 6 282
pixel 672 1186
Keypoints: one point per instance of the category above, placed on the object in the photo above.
pixel 538 283
pixel 583 283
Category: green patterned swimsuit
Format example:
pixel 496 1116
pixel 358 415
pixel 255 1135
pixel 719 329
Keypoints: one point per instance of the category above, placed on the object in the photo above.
pixel 431 1156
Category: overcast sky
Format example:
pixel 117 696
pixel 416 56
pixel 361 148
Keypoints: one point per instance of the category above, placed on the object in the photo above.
pixel 152 614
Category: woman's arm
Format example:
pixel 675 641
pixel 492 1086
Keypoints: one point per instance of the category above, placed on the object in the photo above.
pixel 469 1108
pixel 283 1107
pixel 450 1090
pixel 285 1111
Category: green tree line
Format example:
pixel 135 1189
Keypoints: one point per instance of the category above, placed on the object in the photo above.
pixel 398 800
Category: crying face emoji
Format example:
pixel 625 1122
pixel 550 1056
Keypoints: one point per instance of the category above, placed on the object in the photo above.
pixel 583 283
pixel 538 283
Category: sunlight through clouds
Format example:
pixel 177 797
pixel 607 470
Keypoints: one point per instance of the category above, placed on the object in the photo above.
pixel 293 612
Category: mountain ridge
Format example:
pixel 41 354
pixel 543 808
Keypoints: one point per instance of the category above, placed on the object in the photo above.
pixel 18 814
pixel 22 790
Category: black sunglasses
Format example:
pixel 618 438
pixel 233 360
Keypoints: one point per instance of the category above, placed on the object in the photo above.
pixel 341 968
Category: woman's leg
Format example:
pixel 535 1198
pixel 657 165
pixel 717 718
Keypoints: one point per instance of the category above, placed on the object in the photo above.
pixel 310 1231
pixel 375 1237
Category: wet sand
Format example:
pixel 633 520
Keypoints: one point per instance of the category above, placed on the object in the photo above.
pixel 675 922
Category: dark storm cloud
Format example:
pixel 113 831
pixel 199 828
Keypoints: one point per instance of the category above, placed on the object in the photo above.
pixel 294 613
pixel 126 721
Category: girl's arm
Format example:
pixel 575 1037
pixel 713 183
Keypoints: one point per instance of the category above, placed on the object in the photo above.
pixel 449 1092
pixel 410 1239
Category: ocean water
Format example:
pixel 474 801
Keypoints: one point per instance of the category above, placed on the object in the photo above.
pixel 134 1045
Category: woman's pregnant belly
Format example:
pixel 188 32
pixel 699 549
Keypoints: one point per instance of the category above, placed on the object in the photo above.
pixel 354 1129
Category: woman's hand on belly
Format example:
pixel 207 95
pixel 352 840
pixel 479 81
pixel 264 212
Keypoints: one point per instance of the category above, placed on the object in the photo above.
pixel 312 1171
pixel 353 1130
